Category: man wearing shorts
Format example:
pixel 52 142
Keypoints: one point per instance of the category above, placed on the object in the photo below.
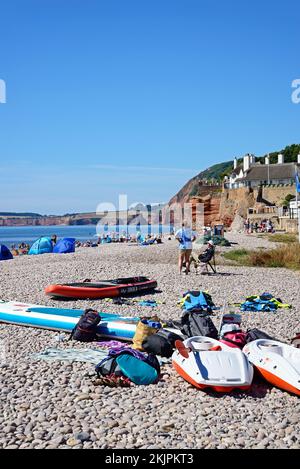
pixel 185 236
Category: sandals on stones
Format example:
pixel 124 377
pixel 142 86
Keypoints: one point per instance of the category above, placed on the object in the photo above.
pixel 113 381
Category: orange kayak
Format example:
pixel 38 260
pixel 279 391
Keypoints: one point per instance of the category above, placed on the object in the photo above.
pixel 102 288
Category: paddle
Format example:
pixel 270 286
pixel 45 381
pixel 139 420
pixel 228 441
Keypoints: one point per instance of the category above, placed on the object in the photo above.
pixel 182 349
pixel 216 348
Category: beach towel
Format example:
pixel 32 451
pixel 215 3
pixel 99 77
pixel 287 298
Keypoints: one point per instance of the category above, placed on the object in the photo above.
pixel 151 303
pixel 73 355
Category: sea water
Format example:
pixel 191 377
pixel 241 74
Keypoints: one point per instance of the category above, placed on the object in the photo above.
pixel 28 234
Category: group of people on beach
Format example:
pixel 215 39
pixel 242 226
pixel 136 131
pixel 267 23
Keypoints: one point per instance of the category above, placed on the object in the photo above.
pixel 22 248
pixel 185 237
pixel 121 238
pixel 265 226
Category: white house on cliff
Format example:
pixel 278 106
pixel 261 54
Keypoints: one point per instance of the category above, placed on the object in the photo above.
pixel 252 174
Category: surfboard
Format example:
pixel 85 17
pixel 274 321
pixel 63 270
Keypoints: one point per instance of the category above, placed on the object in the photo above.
pixel 111 325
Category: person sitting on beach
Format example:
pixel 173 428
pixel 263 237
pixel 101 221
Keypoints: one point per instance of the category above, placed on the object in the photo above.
pixel 205 257
pixel 54 239
pixel 185 237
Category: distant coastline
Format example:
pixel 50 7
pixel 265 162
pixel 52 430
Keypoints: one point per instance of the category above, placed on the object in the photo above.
pixel 8 219
pixel 48 220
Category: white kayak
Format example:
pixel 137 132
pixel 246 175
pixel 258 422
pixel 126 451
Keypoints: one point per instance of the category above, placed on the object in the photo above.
pixel 278 363
pixel 206 362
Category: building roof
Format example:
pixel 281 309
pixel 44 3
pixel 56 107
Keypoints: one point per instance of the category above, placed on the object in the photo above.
pixel 237 170
pixel 271 172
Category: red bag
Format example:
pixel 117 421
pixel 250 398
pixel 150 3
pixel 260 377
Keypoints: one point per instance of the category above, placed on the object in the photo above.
pixel 235 339
pixel 296 340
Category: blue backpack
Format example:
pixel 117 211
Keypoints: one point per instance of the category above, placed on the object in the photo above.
pixel 143 370
pixel 197 300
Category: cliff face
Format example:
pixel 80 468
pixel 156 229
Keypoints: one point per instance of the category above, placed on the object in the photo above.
pixel 205 205
pixel 183 195
pixel 236 201
pixel 208 209
pixel 222 207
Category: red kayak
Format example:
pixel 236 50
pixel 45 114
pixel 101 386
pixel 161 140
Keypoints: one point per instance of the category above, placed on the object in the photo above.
pixel 102 289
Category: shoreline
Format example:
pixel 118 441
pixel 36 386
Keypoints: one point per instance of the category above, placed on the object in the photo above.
pixel 28 234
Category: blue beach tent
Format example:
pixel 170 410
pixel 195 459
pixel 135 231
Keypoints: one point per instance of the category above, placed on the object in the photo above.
pixel 5 254
pixel 41 246
pixel 65 246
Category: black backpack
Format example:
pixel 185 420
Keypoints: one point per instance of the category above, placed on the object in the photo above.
pixel 255 334
pixel 162 343
pixel 86 328
pixel 198 323
pixel 169 335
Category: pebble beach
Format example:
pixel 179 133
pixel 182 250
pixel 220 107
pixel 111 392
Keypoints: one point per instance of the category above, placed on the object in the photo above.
pixel 58 405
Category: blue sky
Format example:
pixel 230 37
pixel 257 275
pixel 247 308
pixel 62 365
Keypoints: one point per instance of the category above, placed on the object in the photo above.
pixel 136 97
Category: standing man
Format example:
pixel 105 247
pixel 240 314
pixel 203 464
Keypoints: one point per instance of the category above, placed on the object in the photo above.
pixel 185 236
